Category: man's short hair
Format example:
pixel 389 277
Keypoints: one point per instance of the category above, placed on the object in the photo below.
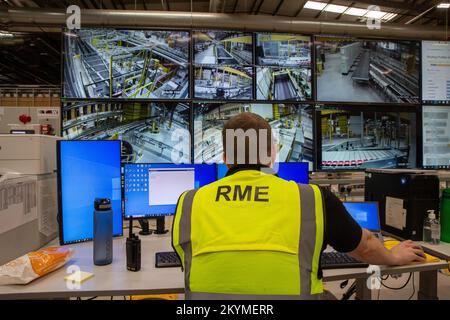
pixel 247 139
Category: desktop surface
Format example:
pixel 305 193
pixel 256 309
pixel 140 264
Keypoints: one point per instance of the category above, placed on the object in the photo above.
pixel 152 190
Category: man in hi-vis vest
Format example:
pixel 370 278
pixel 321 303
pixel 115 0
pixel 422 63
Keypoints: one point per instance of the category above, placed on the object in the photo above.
pixel 252 235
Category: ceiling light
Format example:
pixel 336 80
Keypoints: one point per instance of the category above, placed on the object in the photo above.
pixel 375 14
pixel 6 34
pixel 335 8
pixel 356 12
pixel 389 16
pixel 314 5
pixel 444 5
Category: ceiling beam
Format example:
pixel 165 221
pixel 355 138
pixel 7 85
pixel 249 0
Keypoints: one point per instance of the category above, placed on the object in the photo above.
pixel 235 5
pixel 280 3
pixel 114 4
pixel 300 9
pixel 122 5
pixel 94 4
pixel 341 14
pixel 84 3
pixel 165 5
pixel 259 6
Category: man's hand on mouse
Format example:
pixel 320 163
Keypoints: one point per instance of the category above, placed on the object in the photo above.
pixel 406 252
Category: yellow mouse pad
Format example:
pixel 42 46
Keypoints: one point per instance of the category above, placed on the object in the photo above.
pixel 388 244
pixel 79 276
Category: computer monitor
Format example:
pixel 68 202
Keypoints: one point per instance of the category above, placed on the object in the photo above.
pixel 126 64
pixel 151 132
pixel 353 138
pixel 362 70
pixel 152 190
pixel 87 170
pixel 297 172
pixel 365 214
pixel 436 137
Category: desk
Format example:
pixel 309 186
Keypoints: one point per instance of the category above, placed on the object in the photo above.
pixel 116 280
pixel 441 250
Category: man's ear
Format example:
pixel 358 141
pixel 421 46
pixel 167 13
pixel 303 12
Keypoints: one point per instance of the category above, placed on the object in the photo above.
pixel 274 152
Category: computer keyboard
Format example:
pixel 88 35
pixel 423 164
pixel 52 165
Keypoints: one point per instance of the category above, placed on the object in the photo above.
pixel 167 260
pixel 338 260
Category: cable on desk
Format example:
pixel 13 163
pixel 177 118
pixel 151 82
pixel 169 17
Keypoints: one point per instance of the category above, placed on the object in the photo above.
pixel 399 288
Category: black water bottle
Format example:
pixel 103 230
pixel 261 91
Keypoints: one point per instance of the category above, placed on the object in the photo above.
pixel 103 232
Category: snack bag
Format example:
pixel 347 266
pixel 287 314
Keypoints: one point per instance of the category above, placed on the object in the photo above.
pixel 34 265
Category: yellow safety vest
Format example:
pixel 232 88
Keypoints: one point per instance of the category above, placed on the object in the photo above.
pixel 250 235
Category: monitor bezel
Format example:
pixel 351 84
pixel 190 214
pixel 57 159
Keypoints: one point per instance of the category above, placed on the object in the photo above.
pixel 60 214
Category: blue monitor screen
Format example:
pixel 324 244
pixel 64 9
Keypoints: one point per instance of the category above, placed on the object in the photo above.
pixel 295 171
pixel 365 213
pixel 88 170
pixel 153 190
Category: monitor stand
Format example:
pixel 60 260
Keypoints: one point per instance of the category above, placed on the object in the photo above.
pixel 145 227
pixel 160 227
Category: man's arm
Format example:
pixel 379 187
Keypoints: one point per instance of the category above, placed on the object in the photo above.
pixel 371 250
pixel 345 235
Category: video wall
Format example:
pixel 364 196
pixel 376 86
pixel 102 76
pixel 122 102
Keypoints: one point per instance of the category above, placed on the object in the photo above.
pixel 337 103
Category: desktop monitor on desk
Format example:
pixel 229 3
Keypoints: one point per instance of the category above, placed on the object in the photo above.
pixel 87 170
pixel 152 190
pixel 296 171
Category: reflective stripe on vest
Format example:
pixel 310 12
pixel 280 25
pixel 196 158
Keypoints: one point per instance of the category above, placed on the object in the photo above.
pixel 309 248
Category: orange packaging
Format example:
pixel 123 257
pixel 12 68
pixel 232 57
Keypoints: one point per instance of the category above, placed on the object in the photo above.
pixel 34 265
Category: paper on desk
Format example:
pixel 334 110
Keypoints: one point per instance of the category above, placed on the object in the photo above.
pixel 395 213
pixel 79 276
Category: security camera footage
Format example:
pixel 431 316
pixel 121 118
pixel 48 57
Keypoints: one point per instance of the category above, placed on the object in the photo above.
pixel 360 140
pixel 283 50
pixel 223 48
pixel 284 67
pixel 150 132
pixel 292 126
pixel 350 70
pixel 273 83
pixel 128 64
pixel 223 82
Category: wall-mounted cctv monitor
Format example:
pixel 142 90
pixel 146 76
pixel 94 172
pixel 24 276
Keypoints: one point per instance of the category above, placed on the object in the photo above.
pixel 292 127
pixel 150 131
pixel 283 84
pixel 283 50
pixel 356 139
pixel 223 82
pixel 126 64
pixel 436 137
pixel 223 48
pixel 283 70
pixel 435 72
pixel 374 71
